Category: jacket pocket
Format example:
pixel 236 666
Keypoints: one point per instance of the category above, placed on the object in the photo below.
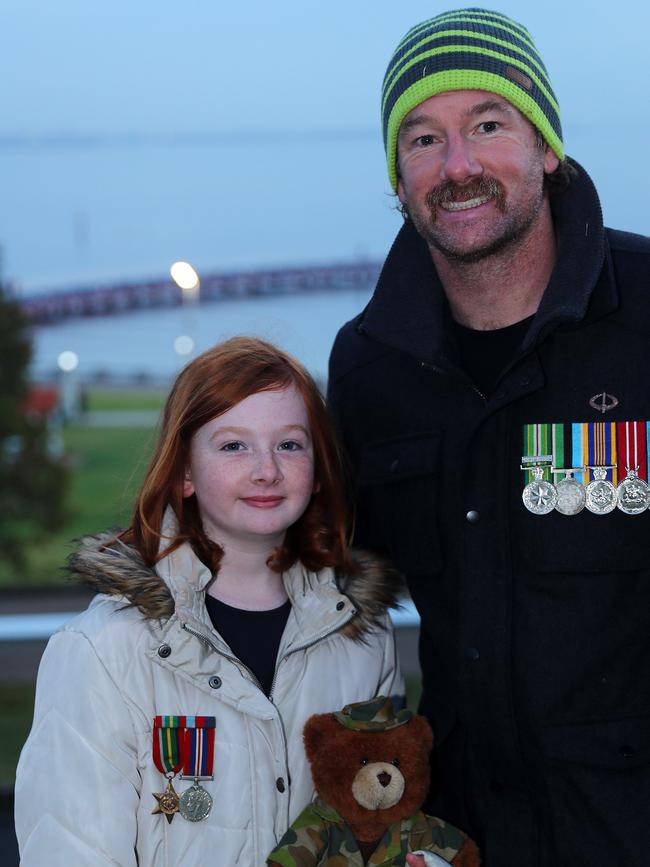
pixel 597 777
pixel 585 543
pixel 618 744
pixel 398 482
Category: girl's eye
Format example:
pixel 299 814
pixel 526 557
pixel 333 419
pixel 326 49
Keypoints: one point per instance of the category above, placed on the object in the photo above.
pixel 424 140
pixel 489 126
pixel 289 446
pixel 232 447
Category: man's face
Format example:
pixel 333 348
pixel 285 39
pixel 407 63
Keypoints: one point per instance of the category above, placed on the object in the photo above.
pixel 471 173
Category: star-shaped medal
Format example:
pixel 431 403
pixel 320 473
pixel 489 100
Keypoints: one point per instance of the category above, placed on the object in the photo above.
pixel 167 802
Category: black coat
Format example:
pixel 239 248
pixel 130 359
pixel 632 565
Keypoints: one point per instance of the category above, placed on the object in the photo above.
pixel 535 639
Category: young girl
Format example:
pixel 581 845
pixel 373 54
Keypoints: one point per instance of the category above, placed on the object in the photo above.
pixel 169 715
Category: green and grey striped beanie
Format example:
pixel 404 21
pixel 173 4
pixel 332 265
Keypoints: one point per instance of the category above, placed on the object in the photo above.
pixel 468 49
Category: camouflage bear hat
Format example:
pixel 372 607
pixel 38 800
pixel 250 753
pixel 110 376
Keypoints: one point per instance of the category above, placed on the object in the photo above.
pixel 375 715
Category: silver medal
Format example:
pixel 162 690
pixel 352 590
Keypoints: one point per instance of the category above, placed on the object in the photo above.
pixel 633 496
pixel 571 495
pixel 601 494
pixel 195 803
pixel 539 496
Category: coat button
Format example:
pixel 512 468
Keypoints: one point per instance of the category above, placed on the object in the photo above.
pixel 215 682
pixel 472 653
pixel 627 751
pixel 279 784
pixel 164 651
pixel 340 606
pixel 473 516
pixel 394 465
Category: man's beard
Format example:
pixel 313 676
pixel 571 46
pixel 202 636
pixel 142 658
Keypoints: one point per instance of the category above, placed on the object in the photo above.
pixel 514 228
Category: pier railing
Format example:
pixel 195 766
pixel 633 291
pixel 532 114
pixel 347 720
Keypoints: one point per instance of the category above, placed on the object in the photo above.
pixel 104 300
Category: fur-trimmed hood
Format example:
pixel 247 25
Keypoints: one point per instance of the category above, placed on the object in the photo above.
pixel 109 566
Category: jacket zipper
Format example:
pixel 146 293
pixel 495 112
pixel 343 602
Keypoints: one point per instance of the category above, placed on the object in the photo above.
pixel 306 647
pixel 206 638
pixel 467 381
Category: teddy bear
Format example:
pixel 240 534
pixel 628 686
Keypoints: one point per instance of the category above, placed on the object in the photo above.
pixel 370 768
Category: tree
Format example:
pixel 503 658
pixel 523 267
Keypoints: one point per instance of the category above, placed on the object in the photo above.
pixel 32 481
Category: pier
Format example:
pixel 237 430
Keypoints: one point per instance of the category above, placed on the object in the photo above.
pixel 105 300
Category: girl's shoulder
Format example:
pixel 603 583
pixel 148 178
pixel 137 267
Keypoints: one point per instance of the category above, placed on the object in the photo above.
pixel 110 567
pixel 375 587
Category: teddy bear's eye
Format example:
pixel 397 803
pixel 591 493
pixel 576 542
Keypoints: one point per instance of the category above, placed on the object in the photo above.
pixel 364 760
pixel 395 762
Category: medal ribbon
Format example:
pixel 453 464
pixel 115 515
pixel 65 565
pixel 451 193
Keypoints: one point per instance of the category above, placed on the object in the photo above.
pixel 198 752
pixel 594 444
pixel 167 743
pixel 632 448
pixel 601 447
pixel 537 442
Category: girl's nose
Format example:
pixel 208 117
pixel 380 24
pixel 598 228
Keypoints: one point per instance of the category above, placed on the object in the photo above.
pixel 267 468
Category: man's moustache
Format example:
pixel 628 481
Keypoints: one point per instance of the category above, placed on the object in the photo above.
pixel 450 191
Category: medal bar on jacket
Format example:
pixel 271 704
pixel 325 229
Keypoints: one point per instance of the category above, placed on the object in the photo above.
pixel 198 759
pixel 168 759
pixel 597 465
pixel 539 495
pixel 633 490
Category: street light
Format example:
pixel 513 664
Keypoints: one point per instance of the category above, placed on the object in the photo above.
pixel 67 362
pixel 183 345
pixel 187 280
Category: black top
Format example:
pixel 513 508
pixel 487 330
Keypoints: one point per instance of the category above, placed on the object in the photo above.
pixel 485 354
pixel 253 636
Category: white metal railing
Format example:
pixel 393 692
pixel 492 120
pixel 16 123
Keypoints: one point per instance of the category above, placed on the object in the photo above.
pixel 35 627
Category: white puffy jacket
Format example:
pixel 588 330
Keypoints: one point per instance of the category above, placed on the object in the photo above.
pixel 146 646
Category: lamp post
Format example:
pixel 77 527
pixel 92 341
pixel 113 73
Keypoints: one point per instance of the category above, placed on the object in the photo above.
pixel 68 362
pixel 187 280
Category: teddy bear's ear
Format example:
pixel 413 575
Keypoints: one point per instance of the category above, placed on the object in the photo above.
pixel 421 730
pixel 318 728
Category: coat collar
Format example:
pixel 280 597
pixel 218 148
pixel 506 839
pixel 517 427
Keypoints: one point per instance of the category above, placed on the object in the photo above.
pixel 322 602
pixel 409 310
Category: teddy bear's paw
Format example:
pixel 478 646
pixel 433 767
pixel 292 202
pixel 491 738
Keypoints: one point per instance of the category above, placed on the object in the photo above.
pixel 431 859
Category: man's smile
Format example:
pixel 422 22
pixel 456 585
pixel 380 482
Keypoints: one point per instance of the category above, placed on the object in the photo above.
pixel 463 206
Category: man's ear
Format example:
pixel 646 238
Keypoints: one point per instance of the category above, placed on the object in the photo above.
pixel 188 486
pixel 551 161
pixel 400 186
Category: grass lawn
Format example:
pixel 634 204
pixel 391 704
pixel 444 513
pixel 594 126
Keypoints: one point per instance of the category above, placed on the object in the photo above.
pixel 16 710
pixel 107 465
pixel 121 399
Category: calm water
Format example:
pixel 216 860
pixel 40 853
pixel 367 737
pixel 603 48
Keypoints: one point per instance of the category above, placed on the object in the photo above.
pixel 121 210
pixel 143 342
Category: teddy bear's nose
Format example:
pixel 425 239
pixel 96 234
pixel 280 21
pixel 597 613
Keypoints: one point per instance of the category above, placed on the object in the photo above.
pixel 384 778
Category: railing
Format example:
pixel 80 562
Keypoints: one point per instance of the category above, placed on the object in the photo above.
pixel 104 300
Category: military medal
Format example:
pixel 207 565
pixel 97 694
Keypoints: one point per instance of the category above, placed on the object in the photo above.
pixel 571 495
pixel 167 801
pixel 601 496
pixel 539 496
pixel 167 756
pixel 198 757
pixel 633 491
pixel 599 443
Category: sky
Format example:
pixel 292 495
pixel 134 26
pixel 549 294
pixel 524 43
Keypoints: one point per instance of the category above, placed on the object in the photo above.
pixel 286 96
pixel 156 66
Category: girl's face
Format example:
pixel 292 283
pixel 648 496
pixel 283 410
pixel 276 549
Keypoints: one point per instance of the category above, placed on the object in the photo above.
pixel 252 470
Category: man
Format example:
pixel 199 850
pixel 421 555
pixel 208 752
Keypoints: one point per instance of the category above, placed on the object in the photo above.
pixel 508 329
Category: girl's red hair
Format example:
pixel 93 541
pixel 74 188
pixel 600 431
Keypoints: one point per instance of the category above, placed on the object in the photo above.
pixel 209 386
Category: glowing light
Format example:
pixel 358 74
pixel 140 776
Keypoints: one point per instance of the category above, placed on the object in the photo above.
pixel 184 276
pixel 68 361
pixel 183 345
